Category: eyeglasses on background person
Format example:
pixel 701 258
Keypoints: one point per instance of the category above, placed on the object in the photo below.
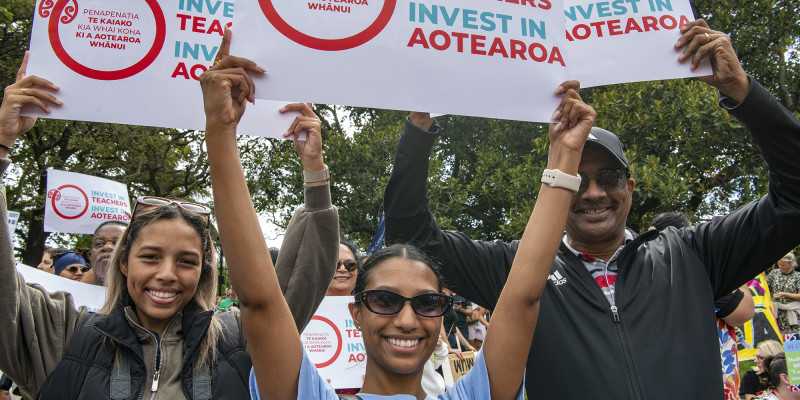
pixel 349 265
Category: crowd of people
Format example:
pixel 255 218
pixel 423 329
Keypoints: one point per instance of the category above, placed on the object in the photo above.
pixel 581 307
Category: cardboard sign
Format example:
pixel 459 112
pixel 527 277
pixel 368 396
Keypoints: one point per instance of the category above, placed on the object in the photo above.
pixel 460 367
pixel 91 296
pixel 137 62
pixel 78 203
pixel 334 344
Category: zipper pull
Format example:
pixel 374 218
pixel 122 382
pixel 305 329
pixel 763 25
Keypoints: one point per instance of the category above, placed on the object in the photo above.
pixel 616 314
pixel 154 387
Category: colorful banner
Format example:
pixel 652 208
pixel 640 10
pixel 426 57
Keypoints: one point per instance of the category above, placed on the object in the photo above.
pixel 78 203
pixel 488 58
pixel 91 296
pixel 137 62
pixel 764 325
pixel 334 344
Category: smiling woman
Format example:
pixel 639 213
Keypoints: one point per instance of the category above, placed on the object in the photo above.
pixel 398 303
pixel 344 280
pixel 156 335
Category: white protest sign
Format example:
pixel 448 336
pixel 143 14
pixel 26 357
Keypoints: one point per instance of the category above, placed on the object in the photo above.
pixel 91 296
pixel 78 203
pixel 470 57
pixel 137 62
pixel 616 41
pixel 334 344
pixel 490 58
pixel 13 217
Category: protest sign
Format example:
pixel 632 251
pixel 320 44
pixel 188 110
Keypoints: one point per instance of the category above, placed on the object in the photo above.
pixel 91 296
pixel 489 58
pixel 78 203
pixel 791 347
pixel 13 217
pixel 460 366
pixel 616 41
pixel 471 57
pixel 334 344
pixel 137 62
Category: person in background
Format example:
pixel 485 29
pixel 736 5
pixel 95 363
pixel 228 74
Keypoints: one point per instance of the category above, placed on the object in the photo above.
pixel 70 265
pixel 455 323
pixel 104 239
pixel 753 381
pixel 477 324
pixel 47 259
pixel 777 377
pixel 784 284
pixel 231 300
pixel 346 270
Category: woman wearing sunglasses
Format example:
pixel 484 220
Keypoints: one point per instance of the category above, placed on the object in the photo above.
pixel 156 336
pixel 399 302
pixel 344 280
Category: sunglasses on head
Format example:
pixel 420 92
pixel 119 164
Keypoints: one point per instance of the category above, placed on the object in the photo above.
pixel 608 179
pixel 160 201
pixel 386 302
pixel 349 265
pixel 74 270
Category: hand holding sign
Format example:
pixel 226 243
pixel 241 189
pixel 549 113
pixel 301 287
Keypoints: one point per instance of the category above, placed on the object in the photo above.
pixel 310 148
pixel 225 81
pixel 27 90
pixel 567 137
pixel 698 42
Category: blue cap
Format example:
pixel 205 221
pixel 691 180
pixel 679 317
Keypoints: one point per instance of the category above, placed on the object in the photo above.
pixel 64 260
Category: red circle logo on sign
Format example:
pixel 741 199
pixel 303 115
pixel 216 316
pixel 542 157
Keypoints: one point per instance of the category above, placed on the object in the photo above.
pixel 69 204
pixel 338 341
pixel 328 44
pixel 139 66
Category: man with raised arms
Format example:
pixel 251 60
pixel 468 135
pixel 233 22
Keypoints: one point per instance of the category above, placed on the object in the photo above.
pixel 623 316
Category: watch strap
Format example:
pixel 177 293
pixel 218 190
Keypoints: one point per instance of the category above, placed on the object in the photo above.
pixel 556 178
pixel 316 176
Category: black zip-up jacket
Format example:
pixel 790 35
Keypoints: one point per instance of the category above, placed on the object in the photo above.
pixel 662 343
pixel 88 366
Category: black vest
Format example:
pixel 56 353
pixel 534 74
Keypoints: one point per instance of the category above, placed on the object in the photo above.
pixel 86 370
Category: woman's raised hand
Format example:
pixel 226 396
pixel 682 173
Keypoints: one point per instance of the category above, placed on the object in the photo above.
pixel 226 87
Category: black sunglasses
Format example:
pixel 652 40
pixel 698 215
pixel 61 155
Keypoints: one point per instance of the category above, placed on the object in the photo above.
pixel 386 302
pixel 73 269
pixel 608 179
pixel 349 265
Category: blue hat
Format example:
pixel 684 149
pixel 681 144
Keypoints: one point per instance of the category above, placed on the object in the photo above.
pixel 64 260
